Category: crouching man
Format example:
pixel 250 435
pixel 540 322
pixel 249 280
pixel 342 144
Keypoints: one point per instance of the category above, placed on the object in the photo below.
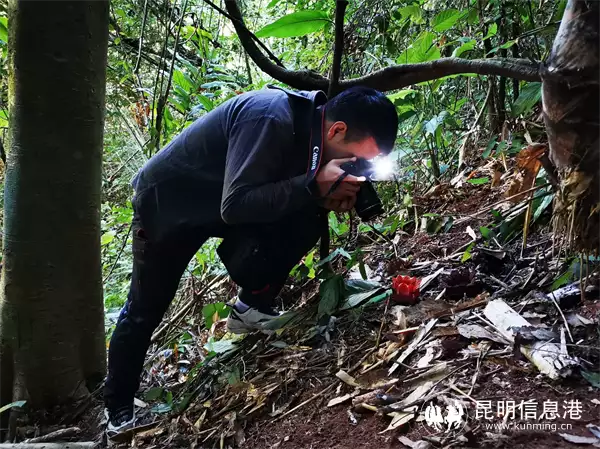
pixel 258 172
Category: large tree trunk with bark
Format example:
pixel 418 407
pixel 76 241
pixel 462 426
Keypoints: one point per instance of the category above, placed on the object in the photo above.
pixel 51 308
pixel 570 96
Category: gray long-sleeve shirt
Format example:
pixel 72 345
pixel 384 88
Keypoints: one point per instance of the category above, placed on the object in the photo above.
pixel 244 162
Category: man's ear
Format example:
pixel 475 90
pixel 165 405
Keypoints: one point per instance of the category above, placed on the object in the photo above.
pixel 337 131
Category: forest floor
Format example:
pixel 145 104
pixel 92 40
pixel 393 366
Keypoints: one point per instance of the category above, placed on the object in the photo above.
pixel 487 357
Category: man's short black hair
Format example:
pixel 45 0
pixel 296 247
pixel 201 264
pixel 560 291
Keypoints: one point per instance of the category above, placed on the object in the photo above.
pixel 367 113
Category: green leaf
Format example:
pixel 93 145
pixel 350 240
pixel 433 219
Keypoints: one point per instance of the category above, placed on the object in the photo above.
pixel 272 3
pixel 591 377
pixel 219 346
pixel 107 237
pixel 209 311
pixel 529 96
pixel 330 291
pixel 412 12
pixel 563 279
pixel 422 49
pixel 478 181
pixel 446 19
pixel 12 405
pixel 503 46
pixel 402 94
pixel 492 31
pixel 153 394
pixel 3 119
pixel 206 102
pixel 161 408
pixel 4 29
pixel 487 233
pixel 546 201
pixel 379 298
pixel 467 255
pixel 467 46
pixel 298 23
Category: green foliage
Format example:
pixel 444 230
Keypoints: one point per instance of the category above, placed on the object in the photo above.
pixel 529 96
pixel 445 20
pixel 214 312
pixel 296 24
pixel 331 292
pixel 4 30
pixel 423 49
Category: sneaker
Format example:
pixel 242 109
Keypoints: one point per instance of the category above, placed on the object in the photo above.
pixel 249 321
pixel 120 420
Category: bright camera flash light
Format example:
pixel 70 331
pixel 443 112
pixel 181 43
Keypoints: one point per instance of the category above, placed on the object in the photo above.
pixel 383 167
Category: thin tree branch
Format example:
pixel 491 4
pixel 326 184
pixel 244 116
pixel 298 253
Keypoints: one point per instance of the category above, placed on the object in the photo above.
pixel 139 57
pixel 390 78
pixel 237 21
pixel 338 49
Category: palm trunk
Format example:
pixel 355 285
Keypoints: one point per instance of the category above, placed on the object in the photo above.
pixel 51 309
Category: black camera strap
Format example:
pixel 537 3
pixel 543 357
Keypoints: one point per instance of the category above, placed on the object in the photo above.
pixel 316 144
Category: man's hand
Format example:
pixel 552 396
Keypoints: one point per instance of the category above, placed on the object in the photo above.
pixel 339 205
pixel 330 173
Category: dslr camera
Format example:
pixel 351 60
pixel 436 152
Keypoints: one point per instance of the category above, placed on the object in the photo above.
pixel 368 205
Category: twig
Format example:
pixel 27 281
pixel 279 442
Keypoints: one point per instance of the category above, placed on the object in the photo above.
pixel 139 57
pixel 489 208
pixel 61 433
pixel 338 49
pixel 118 255
pixel 312 398
pixel 186 307
pixel 387 303
pixel 551 296
pixel 75 445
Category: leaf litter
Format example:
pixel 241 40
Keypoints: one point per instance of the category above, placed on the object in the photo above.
pixel 483 328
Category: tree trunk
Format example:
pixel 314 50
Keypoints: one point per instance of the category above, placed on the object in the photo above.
pixel 51 308
pixel 570 93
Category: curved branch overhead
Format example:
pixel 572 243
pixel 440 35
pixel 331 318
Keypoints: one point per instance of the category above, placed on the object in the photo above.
pixel 390 78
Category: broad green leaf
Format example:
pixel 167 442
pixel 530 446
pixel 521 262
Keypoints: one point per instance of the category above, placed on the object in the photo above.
pixel 4 29
pixel 153 394
pixel 206 102
pixel 402 94
pixel 487 233
pixel 590 376
pixel 180 80
pixel 473 18
pixel 107 237
pixel 209 311
pixel 422 49
pixel 492 31
pixel 331 292
pixel 379 298
pixel 272 3
pixel 446 19
pixel 467 46
pixel 12 405
pixel 220 346
pixel 296 24
pixel 529 96
pixel 478 181
pixel 161 408
pixel 412 12
pixel 503 46
pixel 563 279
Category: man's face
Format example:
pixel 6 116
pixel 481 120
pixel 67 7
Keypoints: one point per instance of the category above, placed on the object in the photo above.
pixel 337 147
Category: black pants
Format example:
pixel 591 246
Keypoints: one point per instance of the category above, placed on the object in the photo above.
pixel 258 258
